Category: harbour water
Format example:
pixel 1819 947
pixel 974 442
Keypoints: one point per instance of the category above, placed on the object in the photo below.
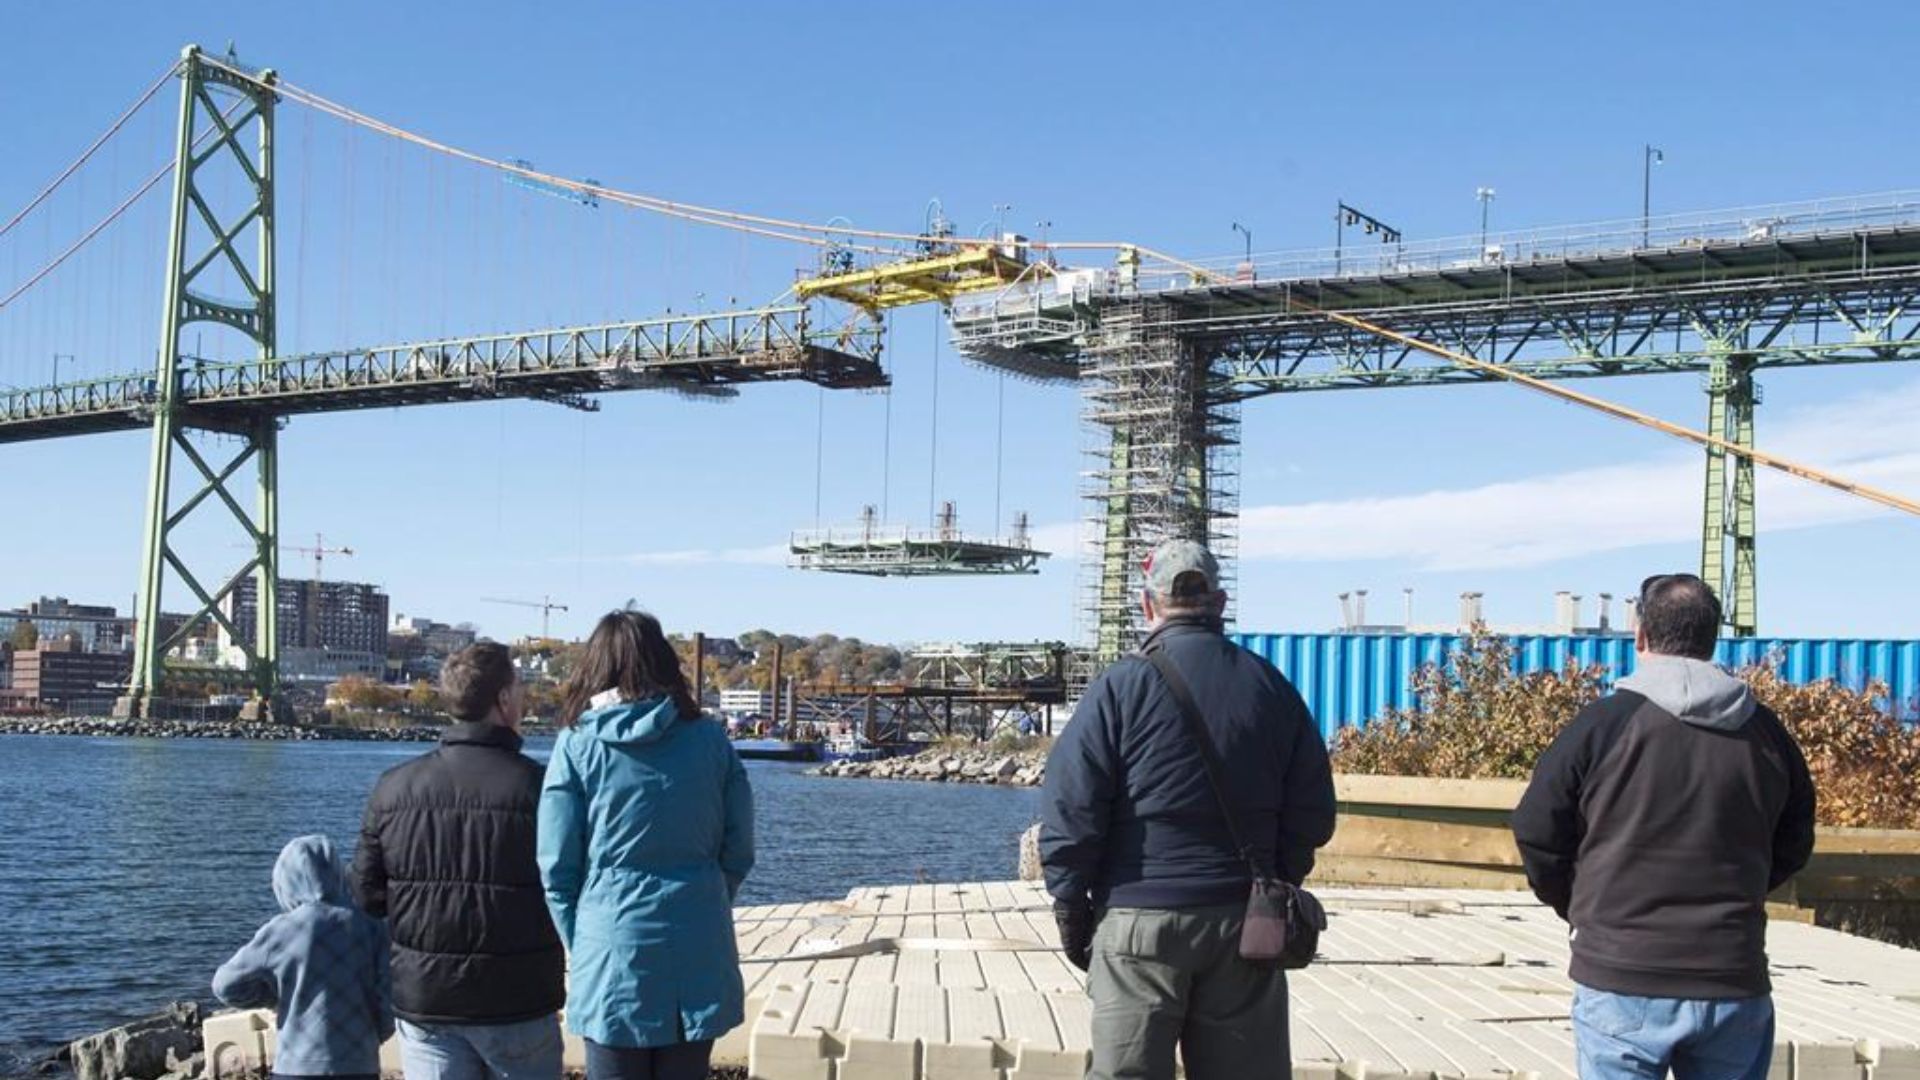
pixel 129 868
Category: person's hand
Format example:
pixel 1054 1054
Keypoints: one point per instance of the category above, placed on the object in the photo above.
pixel 1075 920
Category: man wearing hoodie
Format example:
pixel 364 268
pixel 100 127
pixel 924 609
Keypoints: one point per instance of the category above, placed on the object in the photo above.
pixel 1656 824
pixel 447 856
pixel 322 965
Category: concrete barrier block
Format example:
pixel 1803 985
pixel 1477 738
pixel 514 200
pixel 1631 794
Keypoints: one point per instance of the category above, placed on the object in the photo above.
pixel 1822 1061
pixel 238 1043
pixel 1898 1063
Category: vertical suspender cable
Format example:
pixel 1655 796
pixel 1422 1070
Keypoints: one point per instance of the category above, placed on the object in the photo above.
pixel 819 451
pixel 999 445
pixel 300 238
pixel 933 448
pixel 886 442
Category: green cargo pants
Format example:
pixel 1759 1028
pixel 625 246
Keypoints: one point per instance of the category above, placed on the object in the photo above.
pixel 1166 978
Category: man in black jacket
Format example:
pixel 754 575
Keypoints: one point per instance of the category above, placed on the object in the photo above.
pixel 1656 824
pixel 447 857
pixel 1149 890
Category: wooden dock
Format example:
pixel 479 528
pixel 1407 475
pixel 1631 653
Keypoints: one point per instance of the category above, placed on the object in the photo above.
pixel 954 982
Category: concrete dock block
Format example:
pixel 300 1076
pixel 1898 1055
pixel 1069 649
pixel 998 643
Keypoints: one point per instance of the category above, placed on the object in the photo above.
pixel 1898 1063
pixel 237 1043
pixel 877 1057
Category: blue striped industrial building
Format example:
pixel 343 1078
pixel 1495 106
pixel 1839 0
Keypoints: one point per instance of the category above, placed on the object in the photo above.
pixel 1348 679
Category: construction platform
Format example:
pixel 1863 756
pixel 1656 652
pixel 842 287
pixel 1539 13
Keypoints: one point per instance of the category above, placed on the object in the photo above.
pixel 963 981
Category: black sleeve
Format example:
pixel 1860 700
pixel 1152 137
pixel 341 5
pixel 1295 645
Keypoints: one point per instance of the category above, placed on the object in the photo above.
pixel 370 863
pixel 1793 833
pixel 1076 798
pixel 1307 806
pixel 1547 825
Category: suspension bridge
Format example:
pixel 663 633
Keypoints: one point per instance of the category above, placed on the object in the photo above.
pixel 1164 350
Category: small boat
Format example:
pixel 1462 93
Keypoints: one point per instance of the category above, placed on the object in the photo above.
pixel 767 749
pixel 852 747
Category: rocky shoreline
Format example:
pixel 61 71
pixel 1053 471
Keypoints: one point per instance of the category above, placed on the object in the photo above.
pixel 103 727
pixel 1017 768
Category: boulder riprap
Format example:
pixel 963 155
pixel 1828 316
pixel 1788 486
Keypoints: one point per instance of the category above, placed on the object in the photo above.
pixel 146 1049
pixel 980 765
pixel 101 728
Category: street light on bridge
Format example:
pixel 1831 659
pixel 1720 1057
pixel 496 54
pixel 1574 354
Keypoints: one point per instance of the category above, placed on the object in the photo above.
pixel 1485 195
pixel 1651 155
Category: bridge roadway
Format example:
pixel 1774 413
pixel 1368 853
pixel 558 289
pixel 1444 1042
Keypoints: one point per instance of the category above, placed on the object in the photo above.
pixel 699 355
pixel 1792 288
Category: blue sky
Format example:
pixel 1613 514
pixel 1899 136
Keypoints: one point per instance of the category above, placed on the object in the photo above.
pixel 1151 123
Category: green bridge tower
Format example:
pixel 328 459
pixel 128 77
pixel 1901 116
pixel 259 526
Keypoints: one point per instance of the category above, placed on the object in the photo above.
pixel 226 123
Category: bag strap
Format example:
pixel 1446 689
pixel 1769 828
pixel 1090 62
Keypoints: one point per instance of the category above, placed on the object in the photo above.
pixel 1190 712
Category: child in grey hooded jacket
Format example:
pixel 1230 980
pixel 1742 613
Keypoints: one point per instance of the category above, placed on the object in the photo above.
pixel 322 964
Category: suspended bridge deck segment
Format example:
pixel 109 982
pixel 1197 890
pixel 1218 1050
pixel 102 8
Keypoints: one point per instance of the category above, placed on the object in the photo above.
pixel 701 356
pixel 910 556
pixel 875 551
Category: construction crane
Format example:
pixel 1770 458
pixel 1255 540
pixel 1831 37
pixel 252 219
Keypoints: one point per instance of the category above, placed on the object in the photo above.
pixel 319 551
pixel 545 604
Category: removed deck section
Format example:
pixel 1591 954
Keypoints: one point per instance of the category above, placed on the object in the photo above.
pixel 962 981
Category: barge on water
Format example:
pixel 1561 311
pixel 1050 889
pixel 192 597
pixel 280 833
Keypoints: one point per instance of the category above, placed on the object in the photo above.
pixel 768 749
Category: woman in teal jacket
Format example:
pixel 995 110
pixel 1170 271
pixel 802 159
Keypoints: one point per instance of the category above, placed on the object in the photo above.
pixel 646 832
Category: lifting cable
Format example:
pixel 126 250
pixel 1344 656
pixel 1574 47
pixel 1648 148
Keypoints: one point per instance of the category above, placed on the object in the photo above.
pixel 933 449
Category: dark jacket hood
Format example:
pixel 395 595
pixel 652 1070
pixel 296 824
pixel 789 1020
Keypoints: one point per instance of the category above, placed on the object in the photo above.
pixel 1696 691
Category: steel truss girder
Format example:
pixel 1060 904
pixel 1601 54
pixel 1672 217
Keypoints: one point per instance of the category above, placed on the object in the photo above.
pixel 703 355
pixel 1844 318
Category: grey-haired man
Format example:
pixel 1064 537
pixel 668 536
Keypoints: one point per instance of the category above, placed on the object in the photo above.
pixel 1149 891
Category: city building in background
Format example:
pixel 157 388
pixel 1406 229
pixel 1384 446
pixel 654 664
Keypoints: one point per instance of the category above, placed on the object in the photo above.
pixel 417 646
pixel 61 676
pixel 98 628
pixel 328 629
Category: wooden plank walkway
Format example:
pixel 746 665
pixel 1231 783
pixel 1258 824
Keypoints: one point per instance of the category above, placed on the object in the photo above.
pixel 964 982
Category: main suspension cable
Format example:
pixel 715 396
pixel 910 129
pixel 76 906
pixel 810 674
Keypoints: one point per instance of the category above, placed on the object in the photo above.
pixel 88 153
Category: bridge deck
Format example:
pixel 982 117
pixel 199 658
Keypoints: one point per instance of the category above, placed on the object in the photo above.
pixel 697 355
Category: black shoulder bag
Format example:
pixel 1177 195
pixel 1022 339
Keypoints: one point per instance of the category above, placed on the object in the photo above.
pixel 1283 921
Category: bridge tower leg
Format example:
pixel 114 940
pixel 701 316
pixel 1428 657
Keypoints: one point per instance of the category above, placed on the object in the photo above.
pixel 1165 469
pixel 208 243
pixel 1727 548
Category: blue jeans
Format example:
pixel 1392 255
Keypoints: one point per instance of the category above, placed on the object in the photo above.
pixel 1622 1037
pixel 528 1050
pixel 676 1061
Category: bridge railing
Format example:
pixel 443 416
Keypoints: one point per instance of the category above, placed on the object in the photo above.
pixel 764 342
pixel 105 394
pixel 1363 256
